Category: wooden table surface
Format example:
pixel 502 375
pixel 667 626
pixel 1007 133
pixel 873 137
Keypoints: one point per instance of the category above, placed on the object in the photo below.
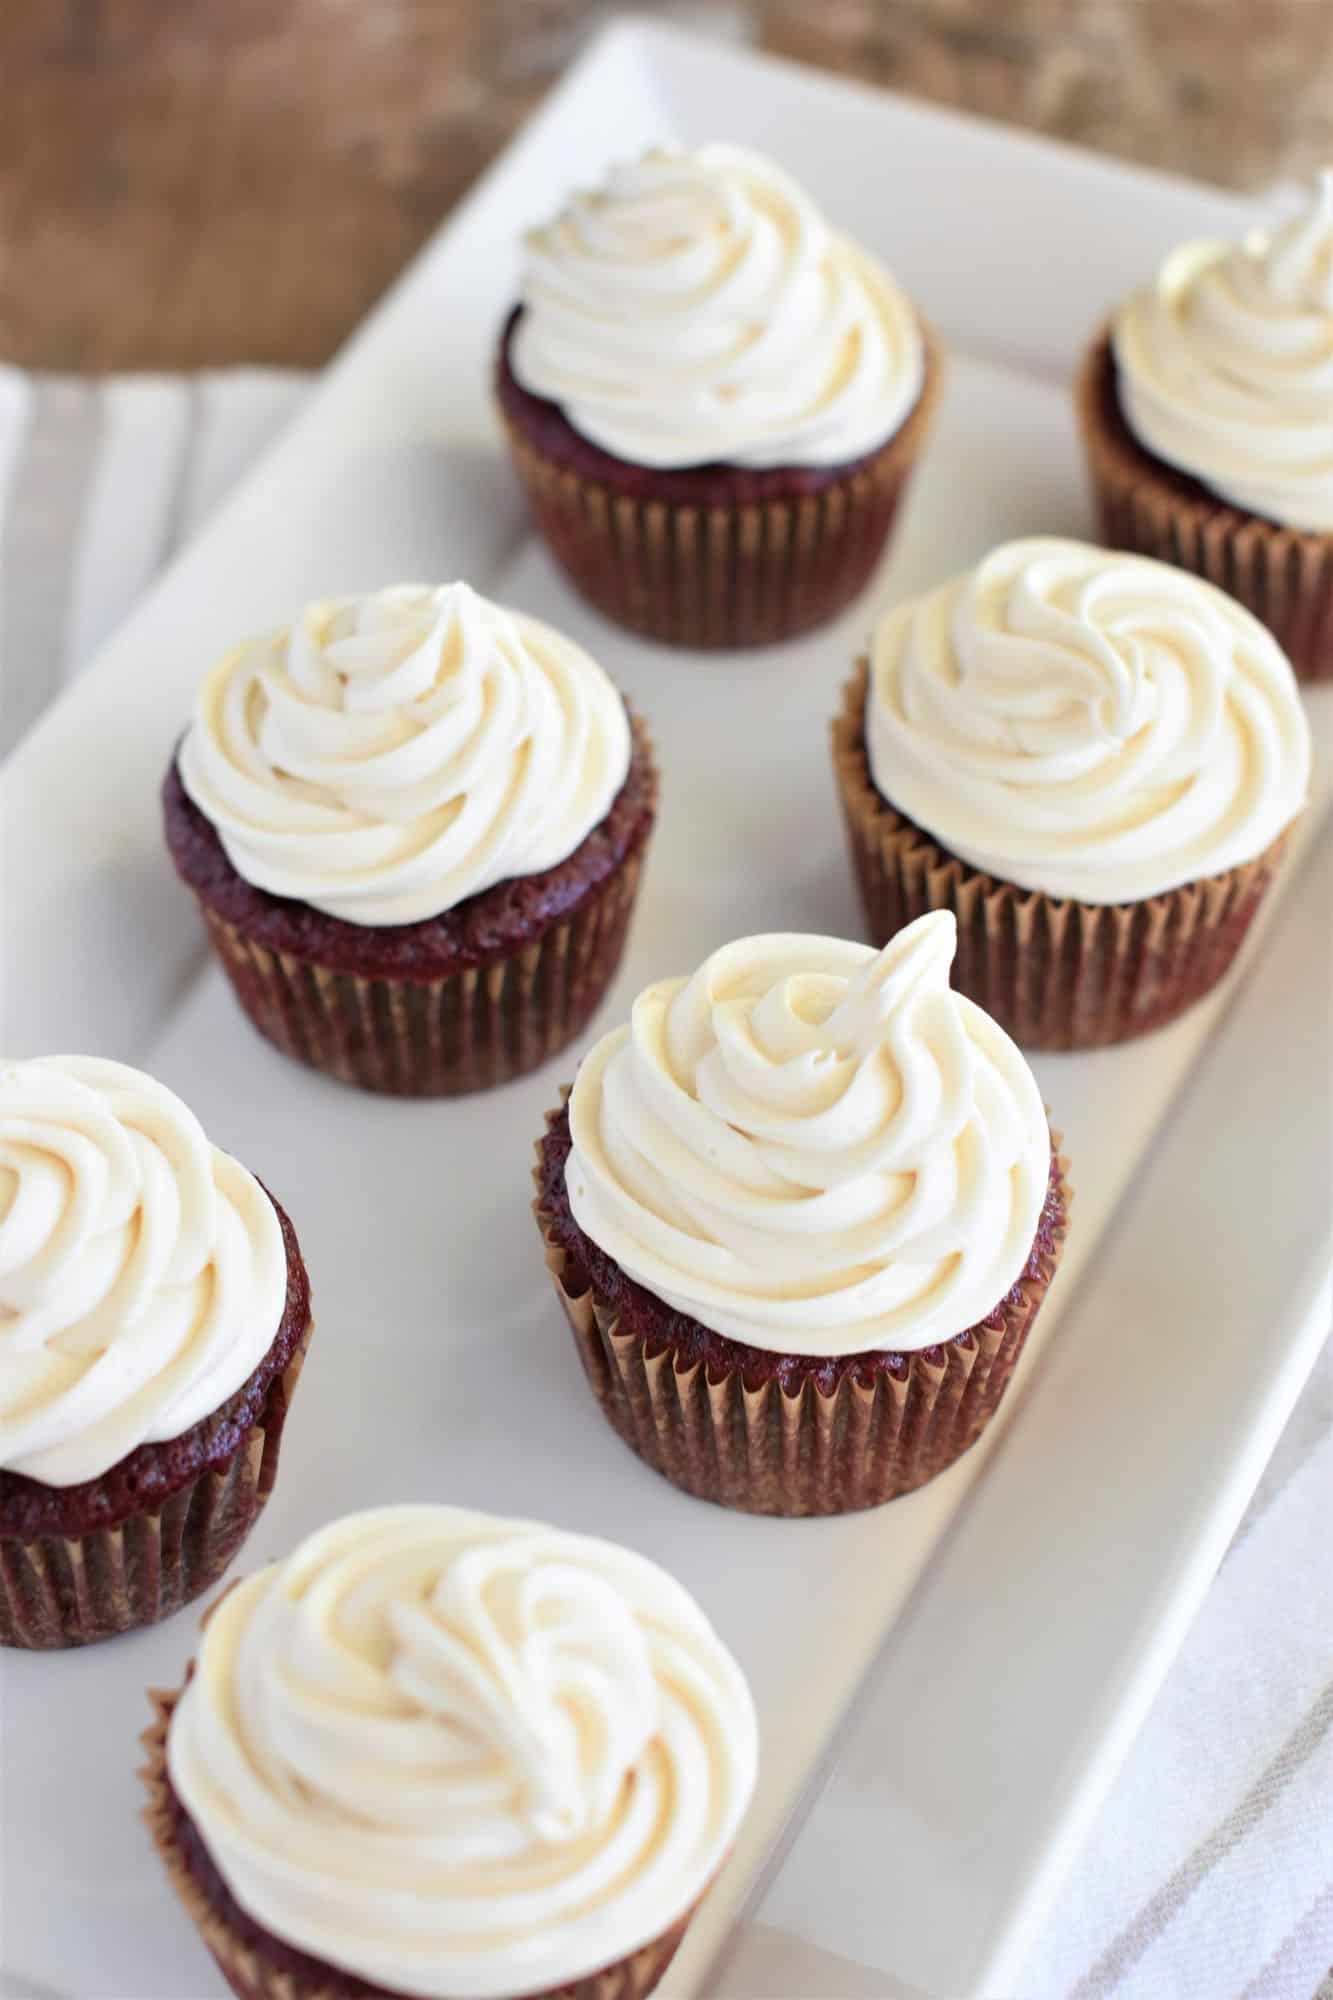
pixel 196 182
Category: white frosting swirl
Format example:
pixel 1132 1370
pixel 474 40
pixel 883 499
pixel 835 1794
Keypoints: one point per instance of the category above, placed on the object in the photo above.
pixel 143 1274
pixel 698 308
pixel 396 753
pixel 1225 366
pixel 463 1756
pixel 1091 725
pixel 813 1147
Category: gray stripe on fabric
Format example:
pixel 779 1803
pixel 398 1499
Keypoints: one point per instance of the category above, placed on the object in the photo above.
pixel 187 452
pixel 43 521
pixel 1298 1956
pixel 1125 1951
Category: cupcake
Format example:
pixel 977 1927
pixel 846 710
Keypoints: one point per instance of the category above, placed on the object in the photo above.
pixel 713 399
pixel 1092 760
pixel 443 1756
pixel 1207 414
pixel 801 1214
pixel 414 823
pixel 154 1313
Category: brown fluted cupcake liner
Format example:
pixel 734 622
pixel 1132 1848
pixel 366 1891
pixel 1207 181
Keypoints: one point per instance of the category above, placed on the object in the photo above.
pixel 59 1591
pixel 1054 974
pixel 258 1966
pixel 804 1445
pixel 475 1027
pixel 736 573
pixel 486 992
pixel 1284 576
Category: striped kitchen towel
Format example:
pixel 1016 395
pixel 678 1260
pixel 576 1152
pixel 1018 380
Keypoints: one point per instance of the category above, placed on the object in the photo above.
pixel 100 483
pixel 1209 1875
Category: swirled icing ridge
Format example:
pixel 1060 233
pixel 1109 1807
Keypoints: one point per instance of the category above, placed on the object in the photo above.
pixel 1087 724
pixel 696 307
pixel 393 754
pixel 462 1756
pixel 142 1272
pixel 1225 366
pixel 813 1147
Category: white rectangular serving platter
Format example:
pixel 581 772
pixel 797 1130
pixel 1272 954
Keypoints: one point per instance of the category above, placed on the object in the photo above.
pixel 1068 1551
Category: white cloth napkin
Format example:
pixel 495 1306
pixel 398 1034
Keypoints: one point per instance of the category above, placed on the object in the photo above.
pixel 101 481
pixel 1209 1874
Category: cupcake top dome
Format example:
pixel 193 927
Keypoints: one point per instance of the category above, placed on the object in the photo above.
pixel 1225 366
pixel 143 1274
pixel 1086 724
pixel 462 1756
pixel 696 308
pixel 813 1147
pixel 391 754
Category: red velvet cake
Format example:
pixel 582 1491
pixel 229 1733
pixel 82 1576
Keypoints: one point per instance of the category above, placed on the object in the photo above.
pixel 1282 575
pixel 714 398
pixel 159 1310
pixel 418 874
pixel 708 556
pixel 778 1433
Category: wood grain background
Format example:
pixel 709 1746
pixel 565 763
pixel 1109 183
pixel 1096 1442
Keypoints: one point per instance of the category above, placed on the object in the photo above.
pixel 195 182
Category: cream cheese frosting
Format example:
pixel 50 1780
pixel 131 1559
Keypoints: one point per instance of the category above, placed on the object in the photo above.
pixel 392 754
pixel 814 1147
pixel 696 307
pixel 463 1757
pixel 1087 724
pixel 1225 366
pixel 143 1274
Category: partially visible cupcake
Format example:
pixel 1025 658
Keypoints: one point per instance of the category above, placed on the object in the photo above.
pixel 714 400
pixel 801 1214
pixel 154 1314
pixel 1207 414
pixel 415 824
pixel 442 1756
pixel 1092 760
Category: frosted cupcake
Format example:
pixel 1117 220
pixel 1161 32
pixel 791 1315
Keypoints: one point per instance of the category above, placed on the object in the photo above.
pixel 1207 413
pixel 713 399
pixel 414 823
pixel 1092 760
pixel 801 1214
pixel 154 1313
pixel 444 1756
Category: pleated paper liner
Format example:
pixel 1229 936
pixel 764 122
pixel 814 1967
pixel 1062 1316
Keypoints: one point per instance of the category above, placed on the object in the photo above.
pixel 468 1030
pixel 258 1966
pixel 57 1591
pixel 735 574
pixel 1284 576
pixel 1054 974
pixel 765 1449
